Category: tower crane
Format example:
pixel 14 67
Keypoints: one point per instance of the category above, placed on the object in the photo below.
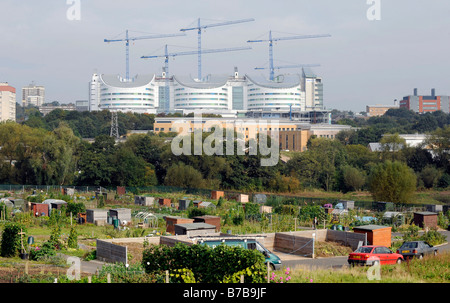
pixel 199 29
pixel 127 40
pixel 167 55
pixel 271 40
pixel 205 51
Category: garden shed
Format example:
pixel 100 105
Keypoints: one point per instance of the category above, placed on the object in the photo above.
pixel 19 203
pixel 425 219
pixel 171 221
pixel 347 204
pixel 216 194
pixel 144 200
pixel 122 214
pixel 242 198
pixel 376 234
pixel 96 214
pixel 7 202
pixel 165 202
pixel 434 208
pixel 107 196
pixel 213 220
pixel 39 209
pixel 194 229
pixel 183 204
pixel 259 198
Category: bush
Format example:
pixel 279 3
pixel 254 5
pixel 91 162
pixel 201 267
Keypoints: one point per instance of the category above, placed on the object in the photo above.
pixel 47 249
pixel 207 264
pixel 11 244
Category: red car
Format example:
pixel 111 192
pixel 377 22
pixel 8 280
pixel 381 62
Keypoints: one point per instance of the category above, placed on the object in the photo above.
pixel 374 254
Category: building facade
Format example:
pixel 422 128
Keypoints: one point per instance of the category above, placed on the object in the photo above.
pixel 7 102
pixel 424 104
pixel 33 95
pixel 378 110
pixel 218 94
pixel 293 135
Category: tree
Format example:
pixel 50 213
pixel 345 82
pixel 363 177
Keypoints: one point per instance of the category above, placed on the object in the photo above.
pixel 182 175
pixel 430 176
pixel 353 178
pixel 392 182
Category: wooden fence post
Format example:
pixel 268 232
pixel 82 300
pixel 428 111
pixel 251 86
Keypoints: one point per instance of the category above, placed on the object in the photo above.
pixel 167 276
pixel 268 272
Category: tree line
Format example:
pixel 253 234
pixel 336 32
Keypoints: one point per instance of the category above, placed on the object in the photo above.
pixel 50 154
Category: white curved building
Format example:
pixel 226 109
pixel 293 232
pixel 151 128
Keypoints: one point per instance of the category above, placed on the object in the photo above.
pixel 113 93
pixel 215 94
pixel 275 95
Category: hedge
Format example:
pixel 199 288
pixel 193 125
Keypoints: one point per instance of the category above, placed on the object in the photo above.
pixel 209 265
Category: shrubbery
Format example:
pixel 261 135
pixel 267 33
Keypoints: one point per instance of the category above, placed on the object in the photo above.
pixel 208 265
pixel 11 245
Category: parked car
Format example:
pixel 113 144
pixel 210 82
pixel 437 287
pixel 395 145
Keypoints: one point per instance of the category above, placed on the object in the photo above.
pixel 417 249
pixel 374 254
pixel 273 260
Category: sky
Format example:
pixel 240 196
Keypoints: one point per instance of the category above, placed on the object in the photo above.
pixel 60 43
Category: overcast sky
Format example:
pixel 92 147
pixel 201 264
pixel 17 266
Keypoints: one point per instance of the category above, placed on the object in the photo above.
pixel 364 62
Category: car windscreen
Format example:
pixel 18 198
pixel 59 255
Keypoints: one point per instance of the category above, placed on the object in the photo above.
pixel 409 245
pixel 364 250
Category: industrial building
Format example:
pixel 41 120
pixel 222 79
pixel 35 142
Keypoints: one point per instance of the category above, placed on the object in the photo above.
pixel 218 94
pixel 424 104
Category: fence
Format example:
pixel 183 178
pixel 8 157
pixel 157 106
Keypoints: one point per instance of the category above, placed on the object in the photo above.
pixel 271 198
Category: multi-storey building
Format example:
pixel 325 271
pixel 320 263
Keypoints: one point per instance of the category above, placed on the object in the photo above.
pixel 423 104
pixel 7 102
pixel 293 135
pixel 218 94
pixel 33 95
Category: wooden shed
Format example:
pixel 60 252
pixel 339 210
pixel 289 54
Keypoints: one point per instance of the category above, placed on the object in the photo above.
pixel 376 234
pixel 194 229
pixel 171 221
pixel 121 190
pixel 216 194
pixel 425 219
pixel 39 209
pixel 242 198
pixel 213 220
pixel 96 214
pixel 165 202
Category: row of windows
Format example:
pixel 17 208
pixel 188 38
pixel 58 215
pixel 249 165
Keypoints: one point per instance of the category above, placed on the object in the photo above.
pixel 200 99
pixel 130 99
pixel 205 94
pixel 273 94
pixel 128 104
pixel 135 94
pixel 273 99
pixel 201 104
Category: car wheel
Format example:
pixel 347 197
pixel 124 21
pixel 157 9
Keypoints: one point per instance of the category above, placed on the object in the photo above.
pixel 435 253
pixel 420 257
pixel 399 261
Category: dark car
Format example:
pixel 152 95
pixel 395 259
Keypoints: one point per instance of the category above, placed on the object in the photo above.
pixel 417 249
pixel 374 254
